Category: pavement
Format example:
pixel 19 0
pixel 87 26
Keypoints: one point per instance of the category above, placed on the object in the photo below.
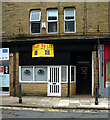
pixel 56 102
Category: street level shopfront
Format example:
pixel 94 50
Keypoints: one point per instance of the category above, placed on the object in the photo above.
pixel 70 70
pixel 67 73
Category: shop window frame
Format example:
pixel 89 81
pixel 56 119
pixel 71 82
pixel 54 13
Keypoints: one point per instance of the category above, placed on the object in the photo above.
pixel 35 21
pixel 74 74
pixel 66 73
pixel 33 81
pixel 74 20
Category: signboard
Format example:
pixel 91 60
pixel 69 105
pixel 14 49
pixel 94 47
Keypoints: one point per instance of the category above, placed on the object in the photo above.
pixel 4 53
pixel 4 76
pixel 43 50
pixel 1 69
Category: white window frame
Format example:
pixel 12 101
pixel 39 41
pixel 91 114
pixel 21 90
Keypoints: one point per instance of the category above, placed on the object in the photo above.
pixel 48 21
pixel 33 81
pixel 74 74
pixel 70 20
pixel 36 21
pixel 66 73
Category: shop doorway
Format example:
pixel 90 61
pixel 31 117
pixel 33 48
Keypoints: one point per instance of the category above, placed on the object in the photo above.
pixel 54 81
pixel 83 82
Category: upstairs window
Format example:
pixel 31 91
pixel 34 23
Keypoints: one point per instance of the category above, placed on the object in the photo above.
pixel 35 21
pixel 52 21
pixel 69 20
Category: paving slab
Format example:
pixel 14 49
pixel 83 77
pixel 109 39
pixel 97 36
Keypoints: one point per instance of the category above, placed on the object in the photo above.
pixel 74 101
pixel 63 103
pixel 56 102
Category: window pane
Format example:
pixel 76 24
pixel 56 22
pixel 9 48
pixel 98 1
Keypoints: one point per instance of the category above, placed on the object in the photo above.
pixel 41 74
pixel 72 73
pixel 35 15
pixel 35 27
pixel 52 18
pixel 52 13
pixel 63 74
pixel 52 26
pixel 69 26
pixel 69 13
pixel 27 74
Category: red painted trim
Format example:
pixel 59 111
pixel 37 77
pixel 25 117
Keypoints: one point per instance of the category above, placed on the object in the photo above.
pixel 107 52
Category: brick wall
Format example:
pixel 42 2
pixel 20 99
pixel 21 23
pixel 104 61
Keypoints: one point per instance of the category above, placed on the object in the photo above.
pixel 40 89
pixel 90 17
pixel 72 89
pixel 34 89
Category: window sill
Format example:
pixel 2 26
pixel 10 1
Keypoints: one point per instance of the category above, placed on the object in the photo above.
pixel 69 32
pixel 32 81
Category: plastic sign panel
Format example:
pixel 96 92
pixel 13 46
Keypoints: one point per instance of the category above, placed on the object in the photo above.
pixel 43 50
pixel 4 76
pixel 4 53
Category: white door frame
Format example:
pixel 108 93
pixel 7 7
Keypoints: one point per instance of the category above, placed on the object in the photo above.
pixel 92 73
pixel 57 83
pixel 74 73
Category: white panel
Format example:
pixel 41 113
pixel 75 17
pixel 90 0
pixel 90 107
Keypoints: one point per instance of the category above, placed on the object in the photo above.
pixel 92 74
pixel 4 53
pixel 19 73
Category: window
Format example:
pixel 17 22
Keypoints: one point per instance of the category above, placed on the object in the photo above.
pixel 27 74
pixel 35 21
pixel 40 73
pixel 64 73
pixel 33 73
pixel 69 20
pixel 52 21
pixel 73 73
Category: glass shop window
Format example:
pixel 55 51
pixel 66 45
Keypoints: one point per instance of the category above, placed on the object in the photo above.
pixel 27 74
pixel 64 73
pixel 40 73
pixel 33 74
pixel 107 73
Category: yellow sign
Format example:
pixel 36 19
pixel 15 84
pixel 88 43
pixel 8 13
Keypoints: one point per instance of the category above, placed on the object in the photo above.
pixel 43 50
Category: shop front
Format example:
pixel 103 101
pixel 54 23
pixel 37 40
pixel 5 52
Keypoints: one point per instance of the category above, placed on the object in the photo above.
pixel 107 69
pixel 64 71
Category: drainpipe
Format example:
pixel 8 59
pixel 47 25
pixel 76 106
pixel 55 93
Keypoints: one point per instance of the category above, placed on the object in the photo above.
pixel 69 76
pixel 15 48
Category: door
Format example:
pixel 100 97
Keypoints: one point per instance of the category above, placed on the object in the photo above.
pixel 83 83
pixel 54 81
